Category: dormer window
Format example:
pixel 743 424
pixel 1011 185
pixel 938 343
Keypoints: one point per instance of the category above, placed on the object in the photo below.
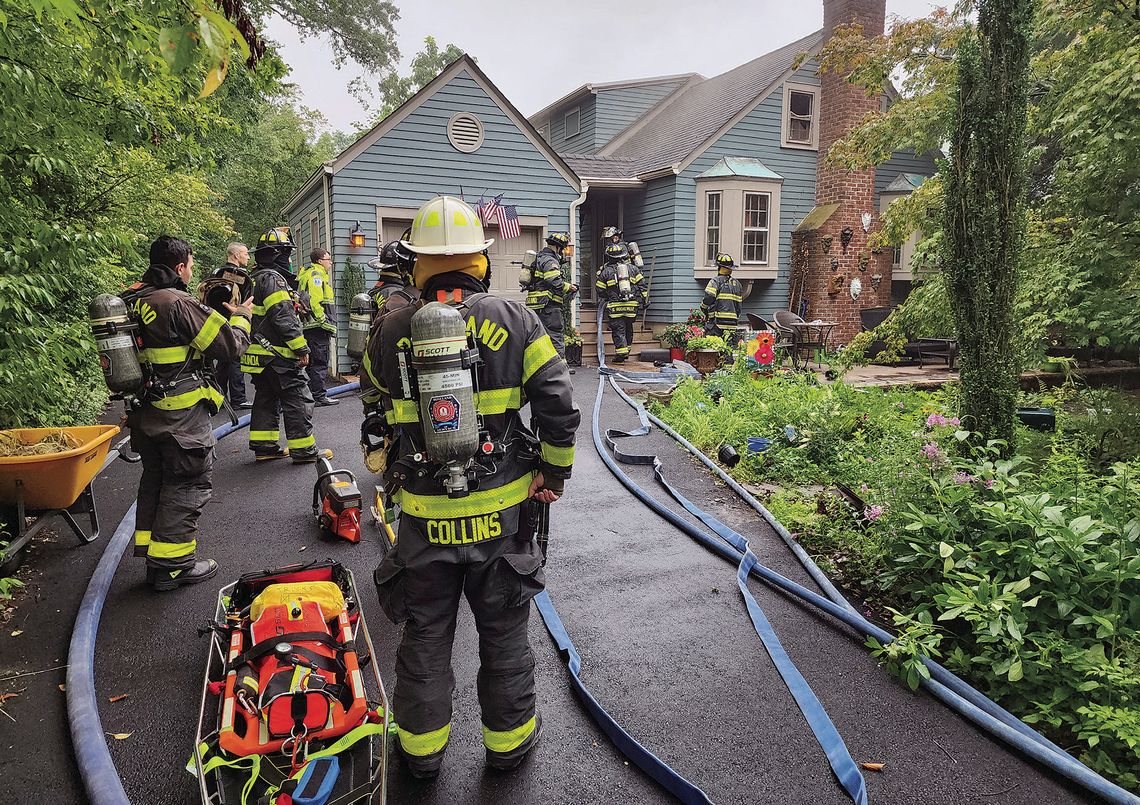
pixel 801 116
pixel 572 123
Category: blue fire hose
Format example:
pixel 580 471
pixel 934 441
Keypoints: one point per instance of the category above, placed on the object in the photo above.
pixel 87 737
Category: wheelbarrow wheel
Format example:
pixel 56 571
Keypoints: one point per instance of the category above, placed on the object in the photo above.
pixel 9 529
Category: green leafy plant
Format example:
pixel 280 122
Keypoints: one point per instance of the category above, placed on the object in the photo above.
pixel 713 342
pixel 675 335
pixel 571 337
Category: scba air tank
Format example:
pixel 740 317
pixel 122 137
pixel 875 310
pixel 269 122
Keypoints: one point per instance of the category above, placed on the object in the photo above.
pixel 115 334
pixel 624 288
pixel 359 321
pixel 526 273
pixel 446 393
pixel 635 255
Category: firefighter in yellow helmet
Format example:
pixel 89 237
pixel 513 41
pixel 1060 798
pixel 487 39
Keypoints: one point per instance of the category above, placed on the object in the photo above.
pixel 548 289
pixel 480 543
pixel 723 298
pixel 320 323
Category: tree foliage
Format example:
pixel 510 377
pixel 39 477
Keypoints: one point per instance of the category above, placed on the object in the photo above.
pixel 984 219
pixel 107 142
pixel 1082 249
pixel 361 30
pixel 393 89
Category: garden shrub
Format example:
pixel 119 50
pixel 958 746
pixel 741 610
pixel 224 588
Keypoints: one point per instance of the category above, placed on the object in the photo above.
pixel 1021 573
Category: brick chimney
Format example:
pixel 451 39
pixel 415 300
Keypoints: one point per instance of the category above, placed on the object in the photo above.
pixel 823 270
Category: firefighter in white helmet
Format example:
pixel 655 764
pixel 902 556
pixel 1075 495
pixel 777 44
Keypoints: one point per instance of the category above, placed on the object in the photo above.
pixel 480 541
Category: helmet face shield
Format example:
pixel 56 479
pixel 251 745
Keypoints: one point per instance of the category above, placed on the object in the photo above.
pixel 447 225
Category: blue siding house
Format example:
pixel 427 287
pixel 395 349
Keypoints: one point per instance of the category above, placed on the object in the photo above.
pixel 688 166
pixel 458 135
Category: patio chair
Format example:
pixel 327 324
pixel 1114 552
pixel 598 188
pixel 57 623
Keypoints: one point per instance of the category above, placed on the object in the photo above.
pixel 760 324
pixel 800 344
pixel 916 349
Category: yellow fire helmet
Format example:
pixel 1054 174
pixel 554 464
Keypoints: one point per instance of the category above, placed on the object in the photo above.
pixel 447 225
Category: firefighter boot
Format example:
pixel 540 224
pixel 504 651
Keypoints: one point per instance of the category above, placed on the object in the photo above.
pixel 505 761
pixel 269 455
pixel 163 579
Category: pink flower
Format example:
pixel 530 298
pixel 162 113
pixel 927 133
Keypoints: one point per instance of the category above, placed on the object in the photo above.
pixel 989 483
pixel 864 488
pixel 936 419
pixel 953 421
pixel 931 450
pixel 962 477
pixel 873 513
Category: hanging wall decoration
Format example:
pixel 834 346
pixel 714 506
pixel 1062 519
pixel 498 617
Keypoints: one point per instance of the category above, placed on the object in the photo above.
pixel 845 237
pixel 865 219
pixel 876 279
pixel 826 241
pixel 835 284
pixel 864 261
pixel 856 288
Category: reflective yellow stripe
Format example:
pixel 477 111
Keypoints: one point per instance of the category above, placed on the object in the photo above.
pixel 303 442
pixel 142 539
pixel 283 352
pixel 264 435
pixel 483 501
pixel 165 354
pixel 178 402
pixel 498 401
pixel 297 343
pixel 507 740
pixel 270 301
pixel 240 322
pixel 557 456
pixel 171 550
pixel 537 355
pixel 404 412
pixel 424 744
pixel 214 324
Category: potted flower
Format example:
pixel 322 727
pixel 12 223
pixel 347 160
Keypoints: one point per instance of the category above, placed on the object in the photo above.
pixel 573 341
pixel 674 337
pixel 704 352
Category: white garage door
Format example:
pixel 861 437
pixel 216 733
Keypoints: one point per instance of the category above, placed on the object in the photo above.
pixel 504 275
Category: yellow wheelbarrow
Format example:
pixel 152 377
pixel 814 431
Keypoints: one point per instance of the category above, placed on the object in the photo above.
pixel 52 484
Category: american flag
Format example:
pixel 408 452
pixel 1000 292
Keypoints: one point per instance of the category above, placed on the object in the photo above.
pixel 508 222
pixel 490 210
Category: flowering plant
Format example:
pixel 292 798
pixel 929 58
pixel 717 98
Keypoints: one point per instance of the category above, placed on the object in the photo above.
pixel 679 335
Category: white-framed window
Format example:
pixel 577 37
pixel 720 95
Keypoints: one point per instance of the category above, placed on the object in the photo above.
pixel 800 116
pixel 572 123
pixel 314 233
pixel 896 257
pixel 712 227
pixel 754 244
pixel 740 217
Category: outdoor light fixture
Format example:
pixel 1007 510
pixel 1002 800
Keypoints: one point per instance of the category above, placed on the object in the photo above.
pixel 845 237
pixel 356 236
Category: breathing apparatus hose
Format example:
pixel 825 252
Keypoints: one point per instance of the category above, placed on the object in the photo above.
pixel 100 779
pixel 945 686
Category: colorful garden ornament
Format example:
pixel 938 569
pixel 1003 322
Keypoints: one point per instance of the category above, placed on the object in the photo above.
pixel 760 352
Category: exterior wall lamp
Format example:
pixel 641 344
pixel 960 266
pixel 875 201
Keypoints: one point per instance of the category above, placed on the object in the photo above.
pixel 356 236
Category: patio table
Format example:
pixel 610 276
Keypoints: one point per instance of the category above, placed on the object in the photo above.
pixel 807 338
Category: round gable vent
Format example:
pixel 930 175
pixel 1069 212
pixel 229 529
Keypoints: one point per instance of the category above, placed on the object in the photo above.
pixel 465 132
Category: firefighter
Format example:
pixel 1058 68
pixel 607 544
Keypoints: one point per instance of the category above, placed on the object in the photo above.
pixel 320 323
pixel 277 357
pixel 393 274
pixel 722 301
pixel 623 289
pixel 611 234
pixel 548 289
pixel 230 283
pixel 480 544
pixel 170 425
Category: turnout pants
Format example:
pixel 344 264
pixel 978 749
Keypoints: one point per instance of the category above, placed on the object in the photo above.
pixel 621 327
pixel 318 368
pixel 281 386
pixel 174 488
pixel 551 318
pixel 420 583
pixel 231 381
pixel 731 336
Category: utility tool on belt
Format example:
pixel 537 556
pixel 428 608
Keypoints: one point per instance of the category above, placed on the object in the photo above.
pixel 286 678
pixel 336 502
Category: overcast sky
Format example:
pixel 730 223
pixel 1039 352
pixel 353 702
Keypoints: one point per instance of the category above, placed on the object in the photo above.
pixel 536 56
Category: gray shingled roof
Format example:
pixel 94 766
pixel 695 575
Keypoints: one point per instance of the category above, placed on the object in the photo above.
pixel 694 114
pixel 591 166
